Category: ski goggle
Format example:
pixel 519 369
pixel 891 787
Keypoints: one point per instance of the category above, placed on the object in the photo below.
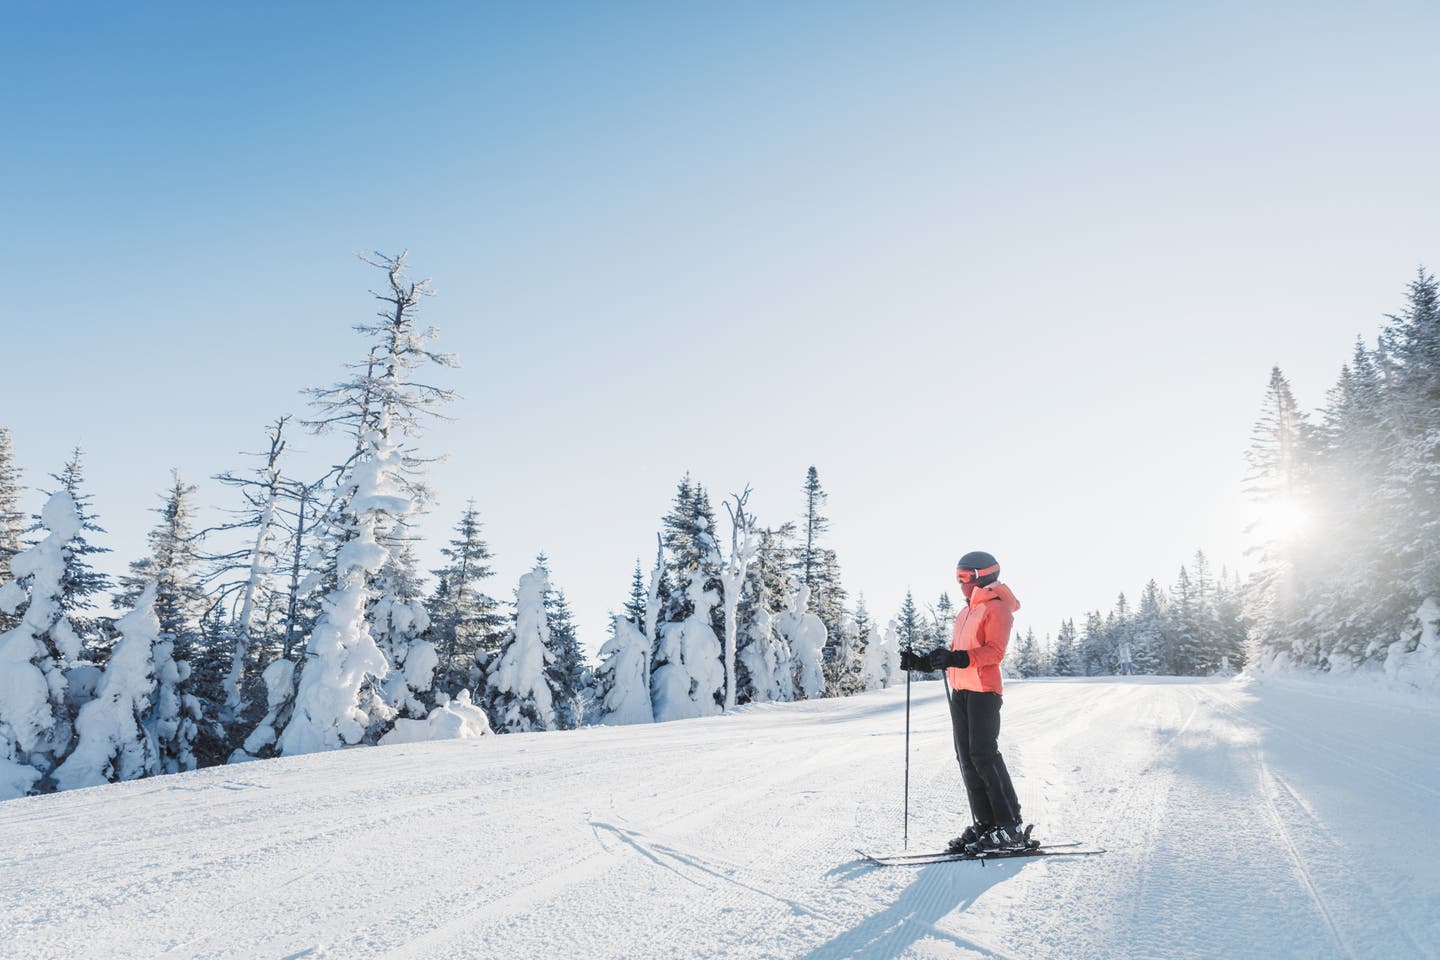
pixel 966 575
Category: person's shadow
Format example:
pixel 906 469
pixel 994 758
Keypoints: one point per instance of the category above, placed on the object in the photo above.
pixel 937 890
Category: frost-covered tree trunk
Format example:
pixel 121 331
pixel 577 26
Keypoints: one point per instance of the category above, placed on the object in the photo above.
pixel 254 594
pixel 520 695
pixel 35 722
pixel 12 520
pixel 743 546
pixel 115 739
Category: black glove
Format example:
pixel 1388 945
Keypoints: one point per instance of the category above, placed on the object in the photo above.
pixel 951 658
pixel 912 660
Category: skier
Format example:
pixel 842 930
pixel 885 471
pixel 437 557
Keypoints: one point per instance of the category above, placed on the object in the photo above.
pixel 972 668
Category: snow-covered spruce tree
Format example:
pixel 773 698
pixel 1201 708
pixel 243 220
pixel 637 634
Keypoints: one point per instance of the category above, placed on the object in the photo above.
pixel 35 721
pixel 399 623
pixel 12 520
pixel 1232 640
pixel 337 699
pixel 744 544
pixel 1092 651
pixel 1065 658
pixel 116 729
pixel 568 670
pixel 805 636
pixel 622 678
pixel 179 604
pixel 1276 485
pixel 345 691
pixel 81 585
pixel 1410 349
pixel 521 698
pixel 764 669
pixel 463 618
pixel 244 579
pixel 1027 659
pixel 864 630
pixel 915 633
pixel 817 567
pixel 689 677
pixel 1147 635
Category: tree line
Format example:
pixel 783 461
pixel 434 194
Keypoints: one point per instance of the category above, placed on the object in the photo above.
pixel 314 628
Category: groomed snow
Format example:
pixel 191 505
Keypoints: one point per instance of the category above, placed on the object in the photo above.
pixel 1279 819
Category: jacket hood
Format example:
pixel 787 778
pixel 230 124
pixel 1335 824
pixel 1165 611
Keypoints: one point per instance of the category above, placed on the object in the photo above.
pixel 996 591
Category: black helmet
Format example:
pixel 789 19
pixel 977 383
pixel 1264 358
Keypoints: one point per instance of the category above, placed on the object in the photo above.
pixel 982 567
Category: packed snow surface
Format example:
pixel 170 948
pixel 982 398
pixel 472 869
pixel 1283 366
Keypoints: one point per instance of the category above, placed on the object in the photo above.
pixel 1282 819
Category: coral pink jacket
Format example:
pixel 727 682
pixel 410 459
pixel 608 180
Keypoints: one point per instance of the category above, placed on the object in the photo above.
pixel 983 629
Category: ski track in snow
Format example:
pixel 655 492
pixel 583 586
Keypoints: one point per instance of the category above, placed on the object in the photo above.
pixel 1238 819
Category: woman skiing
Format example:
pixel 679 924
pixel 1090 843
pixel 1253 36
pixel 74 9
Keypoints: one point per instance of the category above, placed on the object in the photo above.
pixel 972 670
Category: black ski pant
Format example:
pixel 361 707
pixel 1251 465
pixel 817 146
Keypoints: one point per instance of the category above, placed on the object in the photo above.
pixel 975 719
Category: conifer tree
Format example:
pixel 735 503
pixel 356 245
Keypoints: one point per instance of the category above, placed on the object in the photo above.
pixel 521 692
pixel 464 619
pixel 81 583
pixel 1066 656
pixel 35 719
pixel 1027 661
pixel 1276 484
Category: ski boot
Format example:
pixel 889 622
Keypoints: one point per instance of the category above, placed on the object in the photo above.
pixel 1006 839
pixel 972 834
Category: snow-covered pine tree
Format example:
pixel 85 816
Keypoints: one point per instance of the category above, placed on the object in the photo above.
pixel 818 568
pixel 744 544
pixel 914 632
pixel 568 670
pixel 1091 652
pixel 243 579
pixel 1027 659
pixel 337 698
pixel 12 520
pixel 689 676
pixel 765 671
pixel 464 619
pixel 1148 631
pixel 172 566
pixel 622 682
pixel 864 632
pixel 520 692
pixel 1232 641
pixel 400 625
pixel 1066 656
pixel 115 730
pixel 635 603
pixel 805 637
pixel 1276 485
pixel 345 688
pixel 35 720
pixel 82 584
pixel 1411 357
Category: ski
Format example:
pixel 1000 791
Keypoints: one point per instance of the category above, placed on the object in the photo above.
pixel 932 854
pixel 920 860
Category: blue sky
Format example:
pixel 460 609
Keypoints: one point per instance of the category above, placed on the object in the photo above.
pixel 1012 276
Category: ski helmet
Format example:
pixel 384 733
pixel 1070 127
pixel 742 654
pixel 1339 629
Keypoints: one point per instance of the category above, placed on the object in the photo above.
pixel 978 567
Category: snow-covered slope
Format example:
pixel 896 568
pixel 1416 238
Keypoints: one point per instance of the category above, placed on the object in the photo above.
pixel 1241 821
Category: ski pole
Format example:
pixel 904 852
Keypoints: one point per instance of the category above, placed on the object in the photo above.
pixel 906 841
